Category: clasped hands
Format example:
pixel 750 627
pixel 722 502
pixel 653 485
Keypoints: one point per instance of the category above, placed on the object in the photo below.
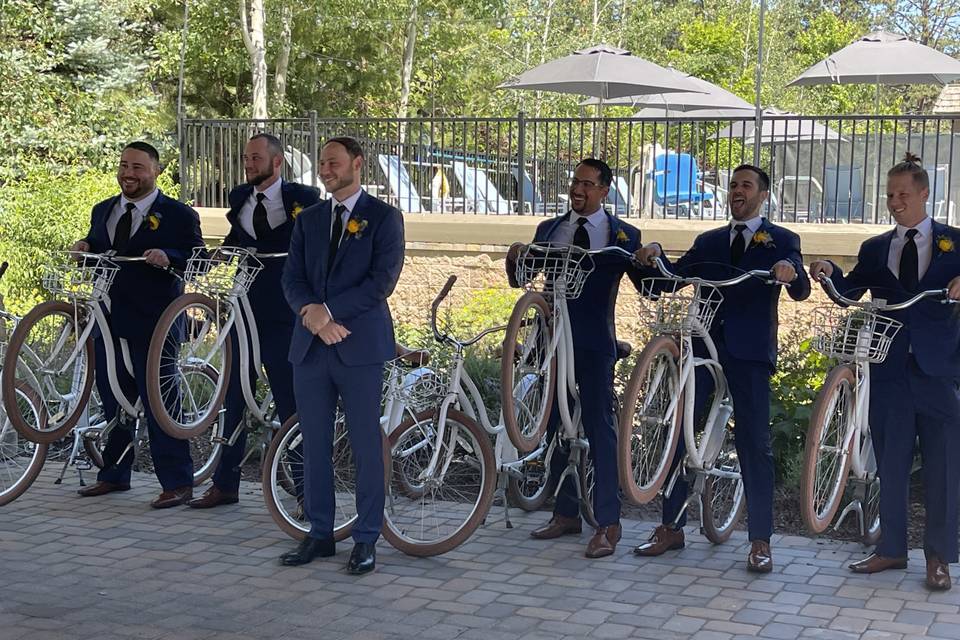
pixel 317 320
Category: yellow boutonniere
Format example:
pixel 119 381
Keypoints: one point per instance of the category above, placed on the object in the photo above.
pixel 763 239
pixel 296 210
pixel 153 221
pixel 621 236
pixel 355 227
pixel 944 244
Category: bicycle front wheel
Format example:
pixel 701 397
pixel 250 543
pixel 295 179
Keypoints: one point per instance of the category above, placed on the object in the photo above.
pixel 189 337
pixel 723 492
pixel 44 355
pixel 527 372
pixel 649 431
pixel 826 462
pixel 20 459
pixel 452 499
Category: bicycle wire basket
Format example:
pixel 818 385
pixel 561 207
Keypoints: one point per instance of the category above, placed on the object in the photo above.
pixel 79 277
pixel 674 307
pixel 223 272
pixel 554 268
pixel 853 334
pixel 419 388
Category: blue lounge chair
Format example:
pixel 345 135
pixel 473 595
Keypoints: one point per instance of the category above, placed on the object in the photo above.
pixel 479 193
pixel 676 181
pixel 400 185
pixel 843 194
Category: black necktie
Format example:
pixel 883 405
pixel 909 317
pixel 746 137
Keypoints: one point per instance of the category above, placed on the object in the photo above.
pixel 909 271
pixel 260 225
pixel 121 234
pixel 738 246
pixel 580 237
pixel 335 234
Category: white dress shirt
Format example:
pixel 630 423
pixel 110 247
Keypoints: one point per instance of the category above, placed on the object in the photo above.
pixel 752 225
pixel 272 202
pixel 349 203
pixel 137 215
pixel 923 240
pixel 597 226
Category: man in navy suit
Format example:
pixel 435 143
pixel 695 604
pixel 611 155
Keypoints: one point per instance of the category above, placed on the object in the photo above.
pixel 262 214
pixel 589 226
pixel 745 333
pixel 345 258
pixel 141 221
pixel 914 392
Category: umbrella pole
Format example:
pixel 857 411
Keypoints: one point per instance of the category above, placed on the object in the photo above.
pixel 758 80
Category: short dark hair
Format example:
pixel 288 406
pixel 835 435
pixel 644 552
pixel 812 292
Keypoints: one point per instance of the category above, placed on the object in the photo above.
pixel 606 175
pixel 350 144
pixel 146 147
pixel 912 165
pixel 762 178
pixel 273 142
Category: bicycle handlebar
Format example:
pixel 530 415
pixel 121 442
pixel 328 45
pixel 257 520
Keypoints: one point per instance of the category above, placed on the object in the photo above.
pixel 108 257
pixel 764 274
pixel 833 294
pixel 3 268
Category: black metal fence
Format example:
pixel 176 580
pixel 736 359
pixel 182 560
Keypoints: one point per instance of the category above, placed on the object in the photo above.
pixel 822 168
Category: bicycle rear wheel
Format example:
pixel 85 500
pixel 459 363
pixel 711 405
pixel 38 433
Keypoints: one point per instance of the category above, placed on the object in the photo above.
pixel 527 372
pixel 531 490
pixel 648 434
pixel 723 495
pixel 826 462
pixel 43 355
pixel 455 496
pixel 20 459
pixel 189 336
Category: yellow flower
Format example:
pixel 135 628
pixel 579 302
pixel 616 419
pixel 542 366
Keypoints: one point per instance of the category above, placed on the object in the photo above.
pixel 153 222
pixel 353 226
pixel 944 244
pixel 762 237
pixel 621 236
pixel 296 210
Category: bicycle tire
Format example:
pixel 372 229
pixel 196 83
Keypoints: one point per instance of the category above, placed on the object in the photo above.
pixel 201 411
pixel 526 419
pixel 644 458
pixel 13 452
pixel 723 497
pixel 819 500
pixel 536 484
pixel 60 420
pixel 411 442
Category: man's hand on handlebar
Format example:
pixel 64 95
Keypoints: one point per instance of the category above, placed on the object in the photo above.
pixel 784 272
pixel 81 245
pixel 820 266
pixel 157 258
pixel 953 289
pixel 647 254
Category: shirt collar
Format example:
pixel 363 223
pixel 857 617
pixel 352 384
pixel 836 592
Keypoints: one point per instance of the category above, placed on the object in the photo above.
pixel 141 206
pixel 349 203
pixel 752 224
pixel 924 228
pixel 272 192
pixel 593 219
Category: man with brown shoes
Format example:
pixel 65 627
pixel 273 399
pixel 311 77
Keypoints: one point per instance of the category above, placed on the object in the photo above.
pixel 589 226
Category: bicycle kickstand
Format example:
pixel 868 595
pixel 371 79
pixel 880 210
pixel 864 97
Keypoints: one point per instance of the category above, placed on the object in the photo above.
pixel 854 506
pixel 502 493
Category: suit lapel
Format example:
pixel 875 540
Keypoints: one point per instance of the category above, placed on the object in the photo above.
pixel 613 224
pixel 102 223
pixel 552 227
pixel 356 214
pixel 234 214
pixel 323 232
pixel 287 197
pixel 939 231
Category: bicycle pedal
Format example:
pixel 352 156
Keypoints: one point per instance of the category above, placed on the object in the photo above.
pixel 83 465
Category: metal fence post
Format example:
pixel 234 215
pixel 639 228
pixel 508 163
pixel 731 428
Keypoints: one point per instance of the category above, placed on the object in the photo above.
pixel 181 149
pixel 521 171
pixel 314 149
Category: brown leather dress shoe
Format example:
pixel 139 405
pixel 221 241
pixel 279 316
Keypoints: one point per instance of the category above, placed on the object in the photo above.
pixel 874 563
pixel 664 538
pixel 760 560
pixel 102 488
pixel 604 541
pixel 938 574
pixel 558 526
pixel 174 498
pixel 213 497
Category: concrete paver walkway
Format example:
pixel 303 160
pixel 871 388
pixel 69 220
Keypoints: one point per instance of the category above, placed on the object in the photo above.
pixel 111 567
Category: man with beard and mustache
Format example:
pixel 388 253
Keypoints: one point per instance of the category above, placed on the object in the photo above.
pixel 346 254
pixel 745 333
pixel 141 221
pixel 262 214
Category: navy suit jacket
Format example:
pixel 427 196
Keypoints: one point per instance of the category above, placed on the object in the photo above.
pixel 266 293
pixel 931 329
pixel 140 292
pixel 747 319
pixel 592 314
pixel 363 275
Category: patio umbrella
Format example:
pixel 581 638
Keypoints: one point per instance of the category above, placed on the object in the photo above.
pixel 779 130
pixel 879 58
pixel 602 72
pixel 711 101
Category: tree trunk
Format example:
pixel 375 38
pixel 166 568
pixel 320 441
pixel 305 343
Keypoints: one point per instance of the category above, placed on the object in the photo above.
pixel 252 31
pixel 409 49
pixel 283 58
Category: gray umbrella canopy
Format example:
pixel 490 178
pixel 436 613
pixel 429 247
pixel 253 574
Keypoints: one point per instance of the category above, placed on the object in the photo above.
pixel 711 101
pixel 882 58
pixel 603 72
pixel 779 130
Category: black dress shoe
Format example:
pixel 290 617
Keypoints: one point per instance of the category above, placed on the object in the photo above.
pixel 308 549
pixel 363 559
